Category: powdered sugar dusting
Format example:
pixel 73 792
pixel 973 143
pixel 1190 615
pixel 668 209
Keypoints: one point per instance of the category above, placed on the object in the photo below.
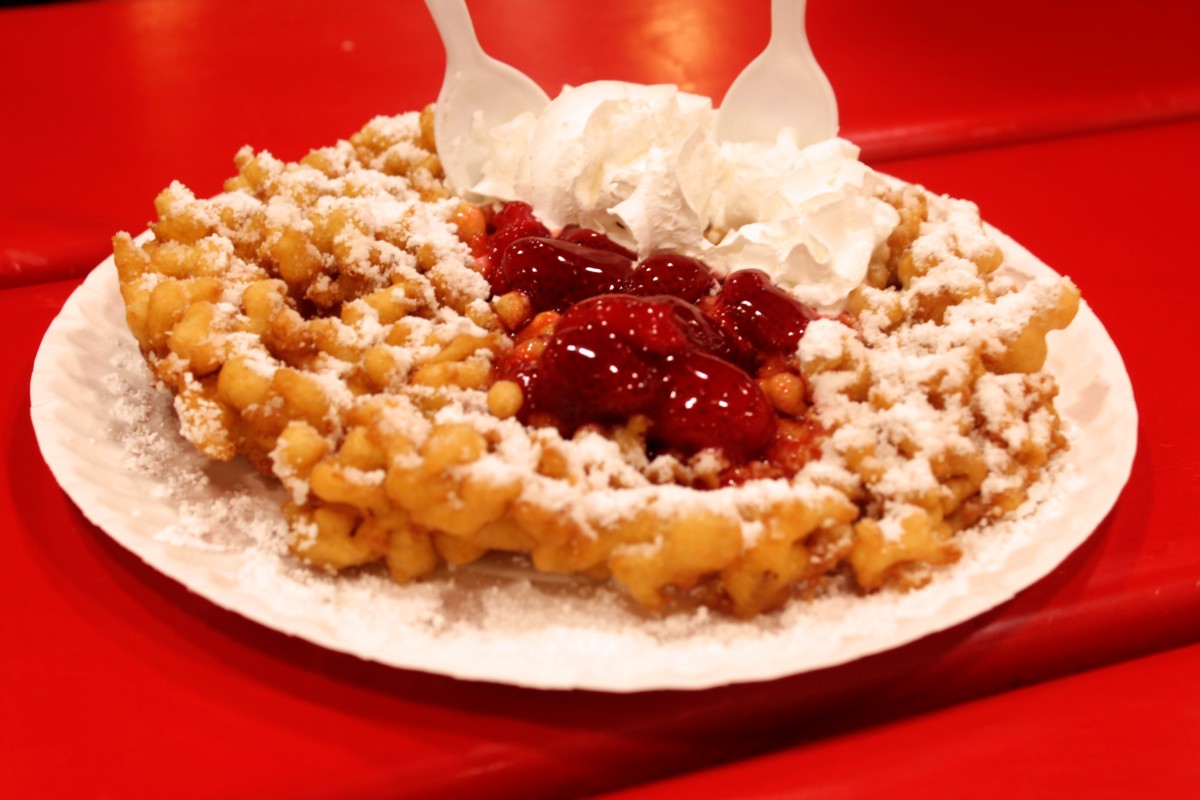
pixel 492 621
pixel 229 508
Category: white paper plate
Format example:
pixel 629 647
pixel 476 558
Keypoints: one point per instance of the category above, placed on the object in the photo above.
pixel 111 442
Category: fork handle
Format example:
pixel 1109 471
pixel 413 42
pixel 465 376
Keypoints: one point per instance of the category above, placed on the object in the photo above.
pixel 454 25
pixel 787 26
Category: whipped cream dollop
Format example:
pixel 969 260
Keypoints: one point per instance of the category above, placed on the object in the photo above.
pixel 643 165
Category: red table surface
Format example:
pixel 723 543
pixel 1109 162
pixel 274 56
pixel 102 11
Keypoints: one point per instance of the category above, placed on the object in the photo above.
pixel 131 686
pixel 1140 719
pixel 123 684
pixel 107 102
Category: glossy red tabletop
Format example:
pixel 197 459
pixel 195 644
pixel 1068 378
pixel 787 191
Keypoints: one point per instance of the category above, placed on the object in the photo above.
pixel 1074 132
pixel 1130 730
pixel 109 101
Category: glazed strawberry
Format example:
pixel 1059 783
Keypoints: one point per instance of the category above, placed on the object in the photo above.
pixel 555 274
pixel 513 213
pixel 767 316
pixel 499 241
pixel 673 274
pixel 651 324
pixel 703 332
pixel 591 238
pixel 589 374
pixel 661 325
pixel 707 402
pixel 737 348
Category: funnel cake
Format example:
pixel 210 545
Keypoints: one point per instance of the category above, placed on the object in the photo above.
pixel 348 325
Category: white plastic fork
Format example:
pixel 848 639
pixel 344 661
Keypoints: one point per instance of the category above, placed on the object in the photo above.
pixel 477 93
pixel 783 87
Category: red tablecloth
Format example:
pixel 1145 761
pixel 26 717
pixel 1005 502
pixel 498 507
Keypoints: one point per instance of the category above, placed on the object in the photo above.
pixel 123 684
